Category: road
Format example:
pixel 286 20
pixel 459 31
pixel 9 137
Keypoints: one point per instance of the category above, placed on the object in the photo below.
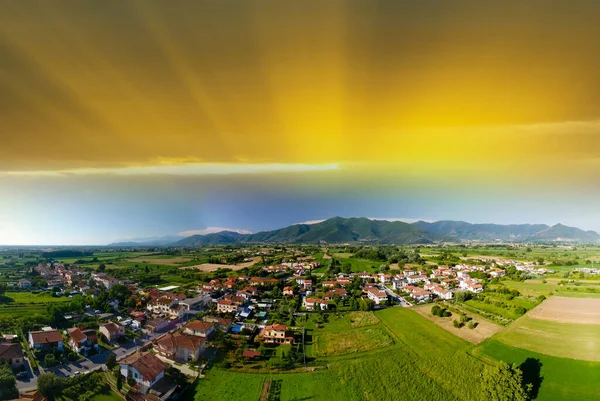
pixel 401 301
pixel 85 365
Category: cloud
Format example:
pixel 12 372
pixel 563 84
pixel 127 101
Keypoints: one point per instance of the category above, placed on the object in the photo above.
pixel 212 230
pixel 189 169
pixel 312 222
pixel 403 219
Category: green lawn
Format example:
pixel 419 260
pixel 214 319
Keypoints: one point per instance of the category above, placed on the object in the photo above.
pixel 23 309
pixel 563 379
pixel 106 397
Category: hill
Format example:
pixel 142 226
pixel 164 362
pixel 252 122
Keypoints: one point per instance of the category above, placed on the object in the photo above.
pixel 364 230
pixel 334 230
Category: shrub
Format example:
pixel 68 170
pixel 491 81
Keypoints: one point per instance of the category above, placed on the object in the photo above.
pixel 457 324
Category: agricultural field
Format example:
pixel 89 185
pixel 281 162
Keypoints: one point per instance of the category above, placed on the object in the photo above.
pixel 350 341
pixel 361 319
pixel 562 327
pixel 23 309
pixel 211 267
pixel 536 287
pixel 554 378
pixel 483 328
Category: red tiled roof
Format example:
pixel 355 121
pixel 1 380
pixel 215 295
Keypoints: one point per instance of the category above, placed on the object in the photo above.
pixel 250 354
pixel 10 351
pixel 112 327
pixel 46 337
pixel 277 326
pixel 199 325
pixel 76 335
pixel 147 364
pixel 179 340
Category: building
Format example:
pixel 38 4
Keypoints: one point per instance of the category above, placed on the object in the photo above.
pixel 181 347
pixel 82 340
pixel 156 325
pixel 315 303
pixel 112 331
pixel 145 369
pixel 288 291
pixel 11 354
pixel 376 295
pixel 24 283
pixel 47 340
pixel 226 306
pixel 276 334
pixel 222 324
pixel 340 292
pixel 200 328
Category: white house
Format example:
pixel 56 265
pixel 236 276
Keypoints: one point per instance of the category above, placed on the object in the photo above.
pixel 145 369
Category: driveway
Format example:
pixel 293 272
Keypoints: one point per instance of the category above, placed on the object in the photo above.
pixel 30 382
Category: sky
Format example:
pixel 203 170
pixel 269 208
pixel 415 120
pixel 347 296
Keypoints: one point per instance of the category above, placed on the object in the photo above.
pixel 132 119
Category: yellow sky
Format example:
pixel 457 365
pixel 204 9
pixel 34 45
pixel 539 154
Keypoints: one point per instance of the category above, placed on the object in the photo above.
pixel 424 85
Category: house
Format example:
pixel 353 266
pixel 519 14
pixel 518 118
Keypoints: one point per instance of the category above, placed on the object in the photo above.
pixel 441 292
pixel 250 354
pixel 156 325
pixel 340 292
pixel 416 278
pixel 112 330
pixel 11 354
pixel 145 369
pixel 497 273
pixel 82 340
pixel 199 328
pixel 420 294
pixel 288 291
pixel 329 284
pixel 161 305
pixel 226 306
pixel 222 323
pixel 307 284
pixel 376 295
pixel 181 347
pixel 471 285
pixel 315 303
pixel 276 334
pixel 48 339
pixel 24 283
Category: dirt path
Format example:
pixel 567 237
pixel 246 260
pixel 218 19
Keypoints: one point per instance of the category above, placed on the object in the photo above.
pixel 264 395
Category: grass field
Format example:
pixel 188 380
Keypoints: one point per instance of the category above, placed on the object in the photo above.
pixel 484 329
pixel 30 298
pixel 425 363
pixel 361 319
pixel 536 287
pixel 350 341
pixel 106 397
pixel 563 379
pixel 23 309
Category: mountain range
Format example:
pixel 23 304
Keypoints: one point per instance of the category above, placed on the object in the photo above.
pixel 364 230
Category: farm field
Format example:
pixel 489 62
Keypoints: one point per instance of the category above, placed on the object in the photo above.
pixel 23 309
pixel 535 287
pixel 484 329
pixel 160 260
pixel 562 379
pixel 211 267
pixel 569 310
pixel 361 319
pixel 567 340
pixel 350 341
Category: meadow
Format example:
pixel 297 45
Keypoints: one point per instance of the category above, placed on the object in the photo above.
pixel 350 341
pixel 562 379
pixel 425 362
pixel 31 298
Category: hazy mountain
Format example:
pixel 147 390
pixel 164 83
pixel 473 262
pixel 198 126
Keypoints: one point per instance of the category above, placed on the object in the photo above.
pixel 560 232
pixel 148 241
pixel 355 230
pixel 483 232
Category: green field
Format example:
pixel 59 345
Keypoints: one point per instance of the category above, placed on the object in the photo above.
pixel 350 341
pixel 361 319
pixel 106 397
pixel 30 298
pixel 536 287
pixel 568 340
pixel 23 309
pixel 425 363
pixel 563 379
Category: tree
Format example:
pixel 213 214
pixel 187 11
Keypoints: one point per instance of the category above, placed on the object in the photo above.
pixel 101 267
pixel 111 361
pixel 8 383
pixel 50 386
pixel 503 382
pixel 119 381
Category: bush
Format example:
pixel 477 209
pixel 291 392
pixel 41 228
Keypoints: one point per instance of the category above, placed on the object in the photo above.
pixel 457 324
pixel 472 325
pixel 465 318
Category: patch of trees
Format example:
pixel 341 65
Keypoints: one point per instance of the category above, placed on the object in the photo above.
pixel 66 253
pixel 440 311
pixel 504 382
pixel 8 383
